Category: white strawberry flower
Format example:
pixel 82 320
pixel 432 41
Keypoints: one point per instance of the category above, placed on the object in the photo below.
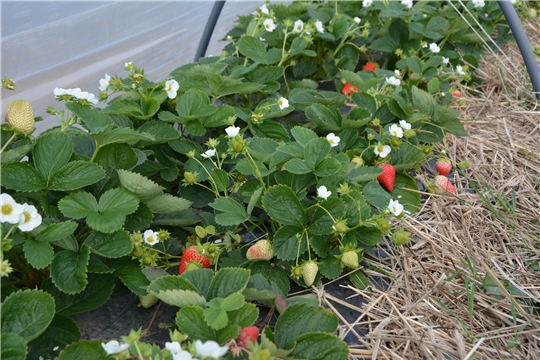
pixel 269 25
pixel 319 26
pixel 478 3
pixel 367 3
pixel 323 192
pixel 396 131
pixel 395 207
pixel 104 83
pixel 283 103
pixel 333 139
pixel 209 153
pixel 459 70
pixel 10 211
pixel 30 218
pixel 264 9
pixel 177 352
pixel 408 3
pixel 405 125
pixel 210 348
pixel 298 26
pixel 232 131
pixel 357 20
pixel 114 347
pixel 171 87
pixel 151 237
pixel 392 80
pixel 434 48
pixel 382 150
pixel 445 60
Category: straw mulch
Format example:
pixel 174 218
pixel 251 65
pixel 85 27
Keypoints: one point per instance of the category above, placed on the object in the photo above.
pixel 468 284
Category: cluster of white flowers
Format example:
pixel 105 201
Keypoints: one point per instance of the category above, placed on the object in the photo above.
pixel 26 216
pixel 171 87
pixel 397 130
pixel 76 93
pixel 208 349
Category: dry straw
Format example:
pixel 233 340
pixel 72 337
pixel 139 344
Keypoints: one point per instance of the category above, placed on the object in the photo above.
pixel 437 304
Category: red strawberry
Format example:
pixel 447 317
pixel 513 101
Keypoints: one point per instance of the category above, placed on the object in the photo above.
pixel 370 66
pixel 191 260
pixel 263 249
pixel 443 166
pixel 247 335
pixel 349 89
pixel 443 185
pixel 457 94
pixel 387 177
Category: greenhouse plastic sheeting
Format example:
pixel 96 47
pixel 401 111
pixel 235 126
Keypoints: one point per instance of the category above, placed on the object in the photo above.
pixel 73 44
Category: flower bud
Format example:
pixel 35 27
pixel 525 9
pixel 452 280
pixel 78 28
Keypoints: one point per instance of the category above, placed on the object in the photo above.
pixel 163 235
pixel 137 251
pixel 238 146
pixel 395 142
pixel 409 133
pixel 20 116
pixel 370 137
pixel 426 149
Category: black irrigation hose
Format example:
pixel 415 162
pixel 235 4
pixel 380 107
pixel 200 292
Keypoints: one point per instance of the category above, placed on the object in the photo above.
pixel 523 43
pixel 209 29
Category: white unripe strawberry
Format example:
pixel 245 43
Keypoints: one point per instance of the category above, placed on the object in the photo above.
pixel 20 116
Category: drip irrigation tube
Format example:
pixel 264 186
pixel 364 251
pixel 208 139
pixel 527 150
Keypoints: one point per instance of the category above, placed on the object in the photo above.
pixel 523 43
pixel 209 29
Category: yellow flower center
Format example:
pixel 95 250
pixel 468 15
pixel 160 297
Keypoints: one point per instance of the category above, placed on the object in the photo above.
pixel 151 239
pixel 380 149
pixel 27 217
pixel 3 268
pixel 331 141
pixel 7 209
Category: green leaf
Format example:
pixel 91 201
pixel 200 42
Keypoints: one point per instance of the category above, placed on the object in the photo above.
pixel 140 185
pixel 385 44
pixel 171 282
pixel 415 64
pixel 326 116
pixel 410 199
pixel 39 254
pixel 286 242
pixel 364 174
pixel 227 281
pixel 407 157
pixel 226 335
pixel 316 151
pixel 232 302
pixel 21 177
pixel 297 166
pixel 300 319
pixel 244 316
pixel 234 213
pixel 368 236
pixel 320 346
pixel 78 205
pixel 330 268
pixel 436 23
pixel 27 313
pixel 376 195
pixel 94 119
pixel 15 154
pixel 129 271
pixel 84 350
pixel 253 48
pixel 181 298
pixel 51 152
pixel 112 245
pixel 194 104
pixel 160 131
pixel 200 278
pixel 190 321
pixel 68 270
pixel 283 206
pixel 116 156
pixel 13 346
pixel 221 179
pixel 322 222
pixel 357 210
pixel 140 219
pixel 167 204
pixel 216 318
pixel 327 167
pixel 76 175
pixel 96 294
pixel 360 280
pixel 119 135
pixel 423 101
pixel 61 332
pixel 57 231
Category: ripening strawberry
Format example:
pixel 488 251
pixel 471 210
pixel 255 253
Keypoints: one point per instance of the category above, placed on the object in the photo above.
pixel 262 249
pixel 443 166
pixel 192 260
pixel 309 272
pixel 370 66
pixel 457 94
pixel 387 177
pixel 20 116
pixel 349 89
pixel 249 334
pixel 443 185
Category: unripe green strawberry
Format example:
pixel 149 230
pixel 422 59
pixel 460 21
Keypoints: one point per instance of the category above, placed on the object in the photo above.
pixel 309 272
pixel 148 300
pixel 340 226
pixel 263 249
pixel 20 116
pixel 350 259
pixel 190 178
pixel 401 237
